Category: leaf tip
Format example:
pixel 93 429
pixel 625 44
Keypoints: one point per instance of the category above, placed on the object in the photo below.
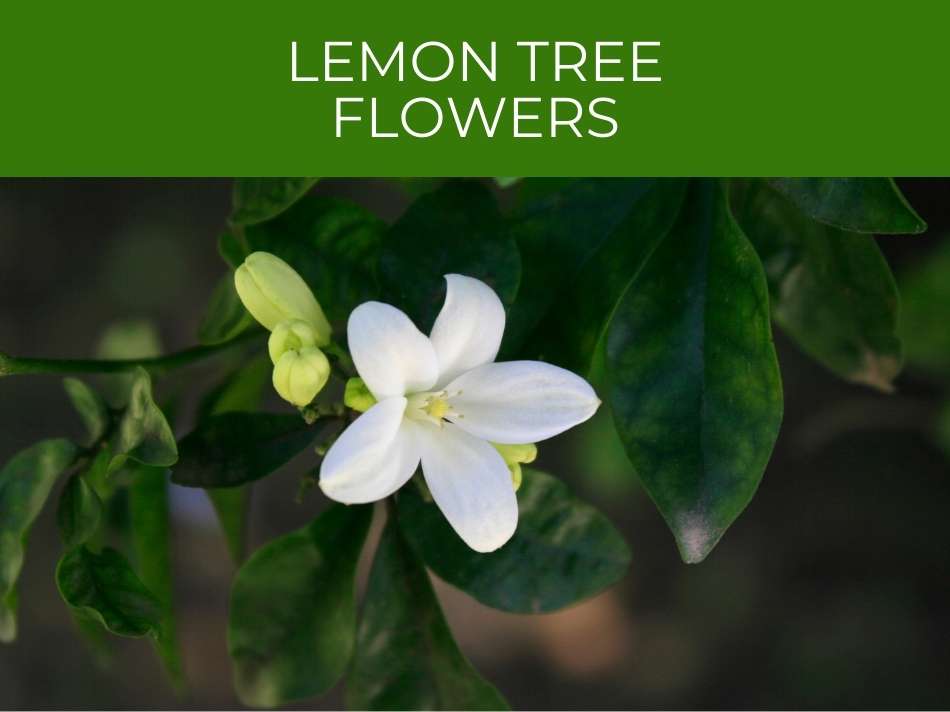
pixel 695 537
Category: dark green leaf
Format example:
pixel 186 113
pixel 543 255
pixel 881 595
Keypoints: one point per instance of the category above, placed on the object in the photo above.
pixel 226 317
pixel 831 290
pixel 925 303
pixel 231 249
pixel 694 382
pixel 563 551
pixel 25 483
pixel 293 611
pixel 868 205
pixel 231 505
pixel 258 199
pixel 90 406
pixel 151 543
pixel 455 229
pixel 233 448
pixel 241 391
pixel 578 317
pixel 558 230
pixel 332 244
pixel 79 512
pixel 105 587
pixel 406 658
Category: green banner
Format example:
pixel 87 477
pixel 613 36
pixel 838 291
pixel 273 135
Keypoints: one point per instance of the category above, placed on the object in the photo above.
pixel 737 87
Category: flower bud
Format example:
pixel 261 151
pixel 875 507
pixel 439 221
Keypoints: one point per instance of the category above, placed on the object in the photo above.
pixel 273 292
pixel 300 375
pixel 357 396
pixel 516 455
pixel 290 335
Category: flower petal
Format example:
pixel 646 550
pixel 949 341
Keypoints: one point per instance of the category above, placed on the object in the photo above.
pixel 520 401
pixel 392 356
pixel 471 484
pixel 373 457
pixel 467 333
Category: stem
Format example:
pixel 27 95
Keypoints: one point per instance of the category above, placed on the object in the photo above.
pixel 340 360
pixel 14 366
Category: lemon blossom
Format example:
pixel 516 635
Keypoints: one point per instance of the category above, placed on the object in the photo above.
pixel 443 401
pixel 275 295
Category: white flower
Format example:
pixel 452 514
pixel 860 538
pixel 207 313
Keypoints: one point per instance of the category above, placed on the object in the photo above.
pixel 442 401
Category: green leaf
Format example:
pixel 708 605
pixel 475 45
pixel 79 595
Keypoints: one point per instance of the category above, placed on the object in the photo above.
pixel 231 249
pixel 455 229
pixel 143 434
pixel 132 339
pixel 332 244
pixel 25 483
pixel 578 317
pixel 293 612
pixel 694 382
pixel 925 303
pixel 559 230
pixel 90 406
pixel 831 291
pixel 866 205
pixel 225 317
pixel 406 658
pixel 258 199
pixel 151 544
pixel 241 391
pixel 79 512
pixel 563 551
pixel 105 587
pixel 233 448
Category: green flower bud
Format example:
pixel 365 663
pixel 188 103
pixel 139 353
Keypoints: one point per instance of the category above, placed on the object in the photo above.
pixel 514 456
pixel 300 375
pixel 273 292
pixel 357 396
pixel 290 335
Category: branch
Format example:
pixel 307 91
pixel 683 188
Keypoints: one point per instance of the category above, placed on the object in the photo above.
pixel 14 366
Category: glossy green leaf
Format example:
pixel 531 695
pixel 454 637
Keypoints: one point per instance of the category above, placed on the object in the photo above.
pixel 563 551
pixel 233 448
pixel 258 199
pixel 332 244
pixel 105 587
pixel 406 658
pixel 241 391
pixel 293 611
pixel 455 229
pixel 225 317
pixel 577 319
pixel 90 406
pixel 866 205
pixel 831 291
pixel 694 381
pixel 151 544
pixel 559 229
pixel 925 303
pixel 143 433
pixel 79 512
pixel 25 483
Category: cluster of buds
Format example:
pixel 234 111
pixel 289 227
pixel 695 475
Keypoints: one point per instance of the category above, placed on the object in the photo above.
pixel 282 302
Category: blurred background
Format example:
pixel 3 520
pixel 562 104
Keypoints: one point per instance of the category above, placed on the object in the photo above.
pixel 832 590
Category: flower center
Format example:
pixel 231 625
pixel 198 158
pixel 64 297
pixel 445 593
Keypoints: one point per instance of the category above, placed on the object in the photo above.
pixel 432 406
